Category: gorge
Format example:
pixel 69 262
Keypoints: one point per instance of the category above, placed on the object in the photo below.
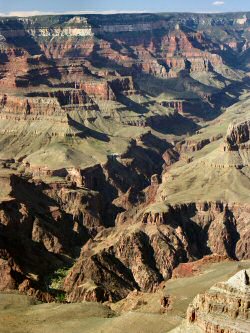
pixel 124 160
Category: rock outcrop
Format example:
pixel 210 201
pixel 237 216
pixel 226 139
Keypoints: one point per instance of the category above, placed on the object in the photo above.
pixel 56 219
pixel 95 113
pixel 238 136
pixel 224 307
pixel 117 263
pixel 151 251
pixel 51 222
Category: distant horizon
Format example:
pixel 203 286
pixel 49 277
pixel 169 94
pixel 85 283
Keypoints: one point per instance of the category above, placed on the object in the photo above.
pixel 38 13
pixel 64 7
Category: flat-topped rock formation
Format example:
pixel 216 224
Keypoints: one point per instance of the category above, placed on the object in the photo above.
pixel 234 151
pixel 238 135
pixel 224 307
pixel 183 47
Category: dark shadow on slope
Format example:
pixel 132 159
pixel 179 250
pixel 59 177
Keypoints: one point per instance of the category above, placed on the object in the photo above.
pixel 132 105
pixel 29 44
pixel 173 124
pixel 87 132
pixel 98 60
pixel 197 235
pixel 24 41
pixel 231 227
pixel 38 205
pixel 30 256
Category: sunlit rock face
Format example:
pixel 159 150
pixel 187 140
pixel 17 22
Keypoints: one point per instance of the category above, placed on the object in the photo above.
pixel 124 150
pixel 224 307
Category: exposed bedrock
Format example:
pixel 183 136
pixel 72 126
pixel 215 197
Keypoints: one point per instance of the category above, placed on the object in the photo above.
pixel 151 245
pixel 202 222
pixel 166 53
pixel 224 307
pixel 43 228
pixel 104 213
pixel 55 220
pixel 87 107
pixel 141 255
pixel 238 135
pixel 195 145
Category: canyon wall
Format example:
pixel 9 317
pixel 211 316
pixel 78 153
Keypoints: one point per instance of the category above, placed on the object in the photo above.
pixel 224 307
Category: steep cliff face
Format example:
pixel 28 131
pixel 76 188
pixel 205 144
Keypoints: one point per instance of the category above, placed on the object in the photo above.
pixel 163 235
pixel 14 67
pixel 99 90
pixel 150 249
pixel 98 171
pixel 34 106
pixel 50 103
pixel 176 45
pixel 238 135
pixel 224 307
pixel 56 219
pixel 137 255
pixel 210 219
pixel 41 232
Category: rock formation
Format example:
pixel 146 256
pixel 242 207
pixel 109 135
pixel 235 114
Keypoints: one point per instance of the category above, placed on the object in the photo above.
pixel 224 307
pixel 238 135
pixel 115 164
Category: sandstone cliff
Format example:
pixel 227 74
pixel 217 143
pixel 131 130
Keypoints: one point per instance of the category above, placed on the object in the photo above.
pixel 223 308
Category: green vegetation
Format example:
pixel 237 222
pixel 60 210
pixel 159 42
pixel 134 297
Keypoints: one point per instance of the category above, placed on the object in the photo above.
pixel 54 283
pixel 57 278
pixel 61 297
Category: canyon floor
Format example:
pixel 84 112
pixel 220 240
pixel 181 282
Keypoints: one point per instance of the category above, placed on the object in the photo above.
pixel 138 314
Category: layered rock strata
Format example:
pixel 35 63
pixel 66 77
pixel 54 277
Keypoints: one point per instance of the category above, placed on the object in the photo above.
pixel 224 307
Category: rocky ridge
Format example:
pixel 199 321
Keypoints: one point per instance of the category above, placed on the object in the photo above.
pixel 225 307
pixel 99 174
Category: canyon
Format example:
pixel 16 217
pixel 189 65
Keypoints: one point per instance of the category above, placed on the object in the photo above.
pixel 124 161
